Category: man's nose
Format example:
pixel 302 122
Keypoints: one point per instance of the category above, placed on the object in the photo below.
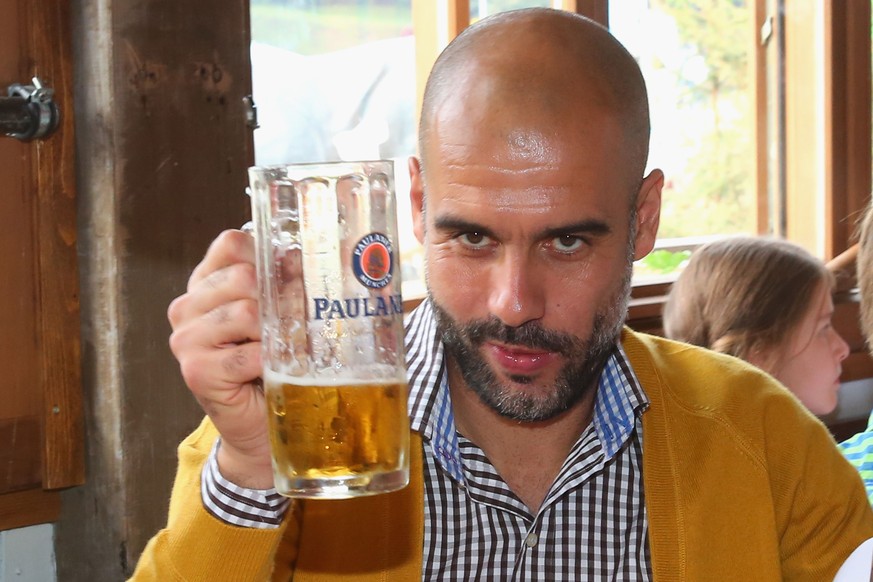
pixel 516 295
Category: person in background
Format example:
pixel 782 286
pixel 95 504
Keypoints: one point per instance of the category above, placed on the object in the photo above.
pixel 549 442
pixel 767 301
pixel 859 448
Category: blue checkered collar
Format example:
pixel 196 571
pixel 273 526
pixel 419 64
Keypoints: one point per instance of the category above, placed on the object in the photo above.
pixel 620 397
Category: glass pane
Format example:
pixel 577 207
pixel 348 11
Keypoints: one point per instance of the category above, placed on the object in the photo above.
pixel 335 80
pixel 482 8
pixel 696 58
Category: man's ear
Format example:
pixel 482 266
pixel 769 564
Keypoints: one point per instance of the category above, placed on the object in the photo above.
pixel 416 197
pixel 648 213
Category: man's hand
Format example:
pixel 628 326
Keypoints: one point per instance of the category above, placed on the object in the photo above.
pixel 216 338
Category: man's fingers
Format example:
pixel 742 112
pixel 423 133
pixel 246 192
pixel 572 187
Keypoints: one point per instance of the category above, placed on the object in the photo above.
pixel 231 247
pixel 236 322
pixel 231 283
pixel 218 374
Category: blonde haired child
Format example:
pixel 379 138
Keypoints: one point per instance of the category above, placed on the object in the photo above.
pixel 767 301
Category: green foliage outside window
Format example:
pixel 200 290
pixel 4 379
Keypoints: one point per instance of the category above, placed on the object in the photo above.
pixel 714 194
pixel 662 262
pixel 311 27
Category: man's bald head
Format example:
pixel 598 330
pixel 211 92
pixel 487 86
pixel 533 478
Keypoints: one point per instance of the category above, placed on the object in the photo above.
pixel 539 67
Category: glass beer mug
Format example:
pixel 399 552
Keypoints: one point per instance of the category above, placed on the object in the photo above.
pixel 332 327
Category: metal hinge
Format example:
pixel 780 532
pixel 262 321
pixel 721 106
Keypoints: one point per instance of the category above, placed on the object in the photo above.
pixel 28 112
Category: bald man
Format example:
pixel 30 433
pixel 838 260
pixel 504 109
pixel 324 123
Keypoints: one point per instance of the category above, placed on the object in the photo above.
pixel 548 442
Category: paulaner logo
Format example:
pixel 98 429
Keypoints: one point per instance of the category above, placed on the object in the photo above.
pixel 357 307
pixel 373 260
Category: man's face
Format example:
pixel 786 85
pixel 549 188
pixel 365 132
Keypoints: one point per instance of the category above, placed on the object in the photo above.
pixel 529 241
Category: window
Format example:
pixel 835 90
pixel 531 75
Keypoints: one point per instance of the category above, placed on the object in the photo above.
pixel 766 140
pixel 699 84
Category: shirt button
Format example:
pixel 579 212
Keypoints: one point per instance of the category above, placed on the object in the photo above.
pixel 531 540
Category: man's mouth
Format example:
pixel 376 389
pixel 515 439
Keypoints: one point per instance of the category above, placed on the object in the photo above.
pixel 519 360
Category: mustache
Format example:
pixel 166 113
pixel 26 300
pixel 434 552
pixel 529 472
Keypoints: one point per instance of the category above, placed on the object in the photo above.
pixel 530 335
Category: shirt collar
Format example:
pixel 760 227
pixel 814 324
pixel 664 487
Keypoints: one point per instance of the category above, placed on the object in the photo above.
pixel 620 397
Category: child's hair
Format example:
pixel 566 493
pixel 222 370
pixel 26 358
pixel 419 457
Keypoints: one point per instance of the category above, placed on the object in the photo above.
pixel 743 296
pixel 864 265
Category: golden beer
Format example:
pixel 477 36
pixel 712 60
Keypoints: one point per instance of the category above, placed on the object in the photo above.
pixel 337 440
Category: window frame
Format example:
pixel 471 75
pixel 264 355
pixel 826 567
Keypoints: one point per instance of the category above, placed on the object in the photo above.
pixel 820 180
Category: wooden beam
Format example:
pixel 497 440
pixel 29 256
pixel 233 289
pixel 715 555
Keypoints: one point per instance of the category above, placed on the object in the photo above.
pixel 568 5
pixel 63 451
pixel 457 16
pixel 764 37
pixel 28 508
pixel 848 125
pixel 597 10
pixel 163 150
pixel 20 448
pixel 20 398
pixel 436 23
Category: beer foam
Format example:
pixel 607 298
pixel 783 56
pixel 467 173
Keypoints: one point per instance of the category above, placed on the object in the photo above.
pixel 332 381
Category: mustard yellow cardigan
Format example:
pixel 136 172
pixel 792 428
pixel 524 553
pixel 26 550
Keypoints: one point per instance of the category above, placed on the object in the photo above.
pixel 740 481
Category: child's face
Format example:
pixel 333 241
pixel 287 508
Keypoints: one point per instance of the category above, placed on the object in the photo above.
pixel 811 365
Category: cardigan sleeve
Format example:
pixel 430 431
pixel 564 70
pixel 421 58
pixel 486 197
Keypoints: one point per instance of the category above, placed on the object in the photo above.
pixel 820 501
pixel 195 546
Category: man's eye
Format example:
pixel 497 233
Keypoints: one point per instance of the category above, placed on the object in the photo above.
pixel 567 243
pixel 475 240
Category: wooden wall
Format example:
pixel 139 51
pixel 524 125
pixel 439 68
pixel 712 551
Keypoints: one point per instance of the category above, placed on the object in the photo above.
pixel 162 152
